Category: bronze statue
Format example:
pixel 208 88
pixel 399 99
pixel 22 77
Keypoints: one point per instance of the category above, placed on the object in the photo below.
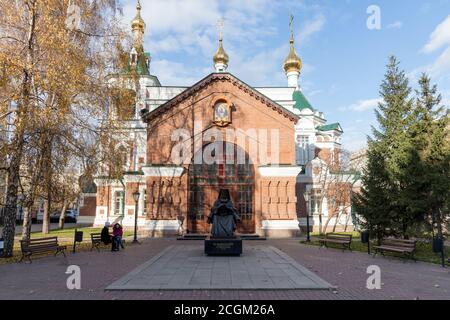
pixel 223 216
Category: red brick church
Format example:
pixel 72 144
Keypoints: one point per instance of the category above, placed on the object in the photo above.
pixel 183 144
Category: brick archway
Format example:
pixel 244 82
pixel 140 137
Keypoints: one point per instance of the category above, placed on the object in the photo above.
pixel 233 170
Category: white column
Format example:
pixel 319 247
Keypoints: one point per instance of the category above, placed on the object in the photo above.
pixel 220 67
pixel 292 77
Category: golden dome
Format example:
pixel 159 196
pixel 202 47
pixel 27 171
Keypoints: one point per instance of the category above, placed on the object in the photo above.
pixel 138 23
pixel 221 56
pixel 292 61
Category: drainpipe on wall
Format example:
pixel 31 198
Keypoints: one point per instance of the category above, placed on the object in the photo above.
pixel 123 201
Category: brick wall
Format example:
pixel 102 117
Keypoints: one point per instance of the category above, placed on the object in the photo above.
pixel 89 206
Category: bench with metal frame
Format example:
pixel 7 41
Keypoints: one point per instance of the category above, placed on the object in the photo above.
pixel 337 238
pixel 96 241
pixel 406 247
pixel 40 246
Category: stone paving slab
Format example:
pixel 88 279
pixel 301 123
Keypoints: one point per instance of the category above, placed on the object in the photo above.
pixel 186 267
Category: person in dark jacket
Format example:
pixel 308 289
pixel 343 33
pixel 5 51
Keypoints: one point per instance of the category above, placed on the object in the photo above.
pixel 106 238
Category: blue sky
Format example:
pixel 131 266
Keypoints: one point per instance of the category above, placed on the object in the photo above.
pixel 344 61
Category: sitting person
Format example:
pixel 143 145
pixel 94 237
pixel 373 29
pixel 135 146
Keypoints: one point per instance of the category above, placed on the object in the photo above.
pixel 105 236
pixel 117 236
pixel 223 216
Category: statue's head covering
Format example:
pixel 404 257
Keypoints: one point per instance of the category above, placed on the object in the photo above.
pixel 224 195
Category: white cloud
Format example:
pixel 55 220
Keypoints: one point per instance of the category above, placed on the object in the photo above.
pixel 186 32
pixel 164 16
pixel 354 138
pixel 174 73
pixel 441 66
pixel 312 27
pixel 446 99
pixel 261 69
pixel 440 37
pixel 395 25
pixel 364 105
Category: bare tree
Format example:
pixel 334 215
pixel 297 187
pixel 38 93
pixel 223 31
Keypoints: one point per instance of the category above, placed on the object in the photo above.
pixel 334 182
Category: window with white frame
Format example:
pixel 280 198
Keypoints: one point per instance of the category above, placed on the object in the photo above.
pixel 302 150
pixel 118 202
pixel 316 198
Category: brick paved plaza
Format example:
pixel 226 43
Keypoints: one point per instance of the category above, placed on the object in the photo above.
pixel 186 267
pixel 46 279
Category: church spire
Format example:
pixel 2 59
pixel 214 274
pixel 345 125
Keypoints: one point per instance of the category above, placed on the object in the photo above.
pixel 292 64
pixel 220 58
pixel 139 60
pixel 138 27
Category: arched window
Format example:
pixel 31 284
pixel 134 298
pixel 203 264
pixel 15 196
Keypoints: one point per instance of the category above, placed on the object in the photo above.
pixel 302 150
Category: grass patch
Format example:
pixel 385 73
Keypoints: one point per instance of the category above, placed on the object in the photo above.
pixel 70 232
pixel 65 238
pixel 424 251
pixel 84 246
pixel 355 234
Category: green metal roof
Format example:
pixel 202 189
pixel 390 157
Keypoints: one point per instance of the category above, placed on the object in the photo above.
pixel 141 67
pixel 330 127
pixel 301 102
pixel 133 173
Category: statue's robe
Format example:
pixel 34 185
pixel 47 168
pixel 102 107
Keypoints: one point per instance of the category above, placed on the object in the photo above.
pixel 223 217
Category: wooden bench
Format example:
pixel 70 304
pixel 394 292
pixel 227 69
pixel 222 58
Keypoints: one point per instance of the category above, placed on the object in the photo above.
pixel 40 246
pixel 96 240
pixel 336 238
pixel 405 247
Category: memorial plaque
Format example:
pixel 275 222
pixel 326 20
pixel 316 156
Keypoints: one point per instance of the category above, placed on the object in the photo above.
pixel 223 247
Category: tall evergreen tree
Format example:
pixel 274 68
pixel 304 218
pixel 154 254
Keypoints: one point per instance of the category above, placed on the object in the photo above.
pixel 381 202
pixel 430 165
pixel 371 203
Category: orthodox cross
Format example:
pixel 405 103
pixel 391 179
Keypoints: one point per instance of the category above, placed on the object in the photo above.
pixel 291 26
pixel 220 26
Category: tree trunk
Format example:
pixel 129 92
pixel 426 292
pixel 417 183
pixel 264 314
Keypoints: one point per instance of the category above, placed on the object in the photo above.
pixel 439 224
pixel 10 210
pixel 347 219
pixel 26 226
pixel 336 219
pixel 320 210
pixel 405 231
pixel 46 216
pixel 327 222
pixel 62 216
pixel 18 142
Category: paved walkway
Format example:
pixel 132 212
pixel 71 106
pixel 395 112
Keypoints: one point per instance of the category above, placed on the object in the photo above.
pixel 186 267
pixel 46 279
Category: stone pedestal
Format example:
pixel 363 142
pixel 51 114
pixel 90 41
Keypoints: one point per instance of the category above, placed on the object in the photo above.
pixel 223 247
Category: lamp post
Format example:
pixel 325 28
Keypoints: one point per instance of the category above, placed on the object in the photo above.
pixel 306 195
pixel 136 195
